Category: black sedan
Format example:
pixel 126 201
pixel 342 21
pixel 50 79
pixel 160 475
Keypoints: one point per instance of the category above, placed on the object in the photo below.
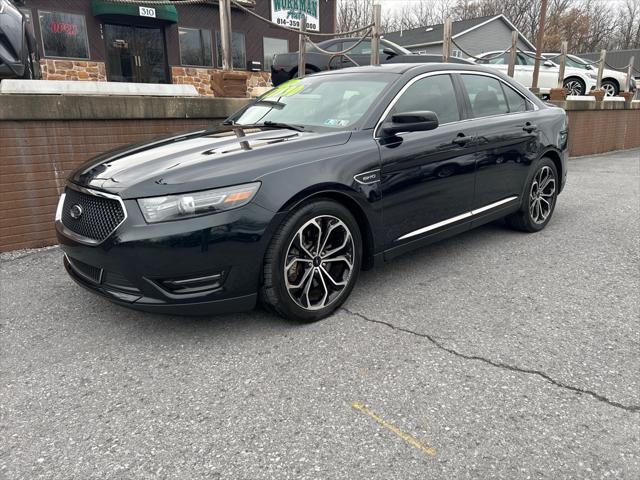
pixel 285 65
pixel 288 200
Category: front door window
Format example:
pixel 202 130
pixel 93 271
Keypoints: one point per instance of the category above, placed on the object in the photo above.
pixel 135 54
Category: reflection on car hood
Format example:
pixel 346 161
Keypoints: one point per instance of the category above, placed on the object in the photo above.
pixel 201 160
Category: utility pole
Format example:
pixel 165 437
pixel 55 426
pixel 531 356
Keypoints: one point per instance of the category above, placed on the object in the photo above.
pixel 514 52
pixel 375 34
pixel 302 46
pixel 539 46
pixel 224 6
pixel 446 41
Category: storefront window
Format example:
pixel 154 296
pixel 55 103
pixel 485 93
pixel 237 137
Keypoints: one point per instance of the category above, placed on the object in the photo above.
pixel 195 47
pixel 64 35
pixel 273 46
pixel 238 49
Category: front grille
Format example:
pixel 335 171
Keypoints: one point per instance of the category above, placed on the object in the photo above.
pixel 99 215
pixel 88 272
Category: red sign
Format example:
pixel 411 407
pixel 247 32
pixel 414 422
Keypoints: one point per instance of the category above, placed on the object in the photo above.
pixel 69 29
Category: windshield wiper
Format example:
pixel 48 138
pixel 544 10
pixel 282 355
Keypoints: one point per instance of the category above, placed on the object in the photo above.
pixel 270 124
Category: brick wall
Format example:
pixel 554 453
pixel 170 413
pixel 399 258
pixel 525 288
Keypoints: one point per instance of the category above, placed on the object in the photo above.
pixel 37 156
pixel 600 131
pixel 73 70
pixel 218 83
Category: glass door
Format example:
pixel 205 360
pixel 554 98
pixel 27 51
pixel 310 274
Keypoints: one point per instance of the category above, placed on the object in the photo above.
pixel 121 58
pixel 135 54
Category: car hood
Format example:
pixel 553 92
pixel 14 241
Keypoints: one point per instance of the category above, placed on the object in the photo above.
pixel 201 160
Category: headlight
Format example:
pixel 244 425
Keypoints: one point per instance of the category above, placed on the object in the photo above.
pixel 176 207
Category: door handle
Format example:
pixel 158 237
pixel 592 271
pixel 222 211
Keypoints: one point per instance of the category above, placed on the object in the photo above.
pixel 530 128
pixel 461 140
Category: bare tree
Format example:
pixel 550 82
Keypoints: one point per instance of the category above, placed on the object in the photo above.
pixel 588 25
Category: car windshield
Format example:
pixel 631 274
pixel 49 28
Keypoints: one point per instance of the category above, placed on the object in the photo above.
pixel 389 43
pixel 575 63
pixel 336 101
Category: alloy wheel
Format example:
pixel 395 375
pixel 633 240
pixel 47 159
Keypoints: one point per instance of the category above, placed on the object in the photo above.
pixel 319 262
pixel 609 89
pixel 542 195
pixel 573 87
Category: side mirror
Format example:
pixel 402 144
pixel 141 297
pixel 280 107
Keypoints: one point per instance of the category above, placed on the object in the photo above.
pixel 388 52
pixel 411 122
pixel 589 67
pixel 549 63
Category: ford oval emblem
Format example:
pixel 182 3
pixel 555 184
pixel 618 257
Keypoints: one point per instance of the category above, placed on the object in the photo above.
pixel 76 211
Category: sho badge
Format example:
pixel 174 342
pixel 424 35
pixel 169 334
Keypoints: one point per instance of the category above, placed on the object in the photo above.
pixel 367 178
pixel 76 211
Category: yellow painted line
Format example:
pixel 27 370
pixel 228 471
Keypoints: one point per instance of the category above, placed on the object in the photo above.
pixel 410 439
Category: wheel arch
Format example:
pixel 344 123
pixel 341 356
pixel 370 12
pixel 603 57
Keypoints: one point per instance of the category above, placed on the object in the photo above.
pixel 346 198
pixel 556 158
pixel 294 70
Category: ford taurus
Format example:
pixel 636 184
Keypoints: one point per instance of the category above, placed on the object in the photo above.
pixel 292 196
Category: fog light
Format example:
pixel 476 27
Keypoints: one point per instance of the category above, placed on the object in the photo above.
pixel 195 284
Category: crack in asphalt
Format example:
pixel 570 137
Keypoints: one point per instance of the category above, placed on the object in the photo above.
pixel 504 366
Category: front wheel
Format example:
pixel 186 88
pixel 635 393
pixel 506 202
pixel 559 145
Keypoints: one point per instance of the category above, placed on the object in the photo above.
pixel 538 206
pixel 313 262
pixel 574 86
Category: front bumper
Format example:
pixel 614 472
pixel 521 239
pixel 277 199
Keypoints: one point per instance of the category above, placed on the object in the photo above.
pixel 197 266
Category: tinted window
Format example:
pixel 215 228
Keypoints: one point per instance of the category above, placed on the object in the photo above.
pixel 273 46
pixel 525 59
pixel 64 35
pixel 435 94
pixel 516 102
pixel 238 50
pixel 363 49
pixel 500 60
pixel 195 47
pixel 485 95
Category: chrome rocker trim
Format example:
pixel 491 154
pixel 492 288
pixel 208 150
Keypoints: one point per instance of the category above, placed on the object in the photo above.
pixel 457 218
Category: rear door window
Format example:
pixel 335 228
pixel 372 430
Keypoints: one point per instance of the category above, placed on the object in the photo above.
pixel 485 94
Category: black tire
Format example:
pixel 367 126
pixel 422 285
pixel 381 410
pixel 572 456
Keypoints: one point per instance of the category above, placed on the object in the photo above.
pixel 574 86
pixel 525 219
pixel 610 87
pixel 275 294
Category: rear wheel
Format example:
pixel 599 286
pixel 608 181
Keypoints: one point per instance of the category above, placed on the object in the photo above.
pixel 610 88
pixel 313 262
pixel 542 192
pixel 574 86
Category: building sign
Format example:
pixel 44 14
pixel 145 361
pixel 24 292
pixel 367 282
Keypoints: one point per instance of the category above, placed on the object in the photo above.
pixel 147 12
pixel 288 13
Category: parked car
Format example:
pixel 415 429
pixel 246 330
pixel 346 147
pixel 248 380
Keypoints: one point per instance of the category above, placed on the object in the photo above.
pixel 18 51
pixel 320 177
pixel 612 80
pixel 285 65
pixel 576 81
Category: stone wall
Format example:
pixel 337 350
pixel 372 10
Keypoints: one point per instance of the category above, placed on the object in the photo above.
pixel 220 83
pixel 73 70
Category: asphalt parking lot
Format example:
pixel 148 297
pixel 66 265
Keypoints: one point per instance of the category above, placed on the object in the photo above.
pixel 496 354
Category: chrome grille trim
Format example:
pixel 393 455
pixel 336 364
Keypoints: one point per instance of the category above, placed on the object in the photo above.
pixel 81 238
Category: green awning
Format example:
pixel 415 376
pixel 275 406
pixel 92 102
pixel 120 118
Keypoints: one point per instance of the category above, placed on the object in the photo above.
pixel 168 13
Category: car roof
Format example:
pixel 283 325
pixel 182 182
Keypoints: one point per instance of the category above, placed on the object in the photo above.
pixel 402 68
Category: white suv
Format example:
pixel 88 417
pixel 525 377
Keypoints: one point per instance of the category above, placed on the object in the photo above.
pixel 576 81
pixel 612 80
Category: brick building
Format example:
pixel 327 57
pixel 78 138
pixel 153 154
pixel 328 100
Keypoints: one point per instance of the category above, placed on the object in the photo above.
pixel 103 40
